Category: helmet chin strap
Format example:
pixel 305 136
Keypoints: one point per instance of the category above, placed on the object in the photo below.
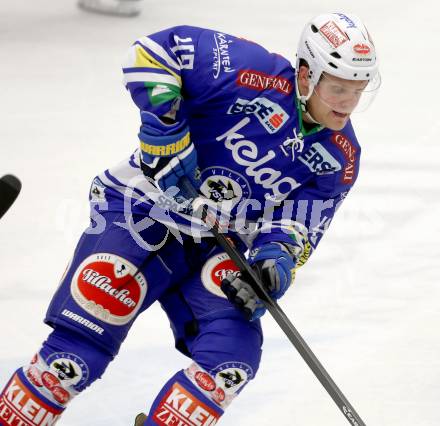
pixel 303 101
pixel 310 117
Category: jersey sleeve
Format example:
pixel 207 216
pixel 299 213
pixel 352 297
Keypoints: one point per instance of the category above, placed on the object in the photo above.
pixel 155 67
pixel 304 217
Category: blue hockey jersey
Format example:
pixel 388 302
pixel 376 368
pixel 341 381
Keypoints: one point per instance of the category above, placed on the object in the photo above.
pixel 254 153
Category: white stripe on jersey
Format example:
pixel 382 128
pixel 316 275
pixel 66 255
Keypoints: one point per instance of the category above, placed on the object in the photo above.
pixel 129 177
pixel 159 51
pixel 133 178
pixel 132 77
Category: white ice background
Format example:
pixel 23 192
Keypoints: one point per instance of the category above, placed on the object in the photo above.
pixel 368 302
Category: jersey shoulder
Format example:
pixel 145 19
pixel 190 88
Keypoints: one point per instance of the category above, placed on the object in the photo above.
pixel 334 157
pixel 347 149
pixel 229 66
pixel 206 68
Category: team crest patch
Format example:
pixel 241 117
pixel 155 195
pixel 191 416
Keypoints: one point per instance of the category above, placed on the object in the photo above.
pixel 232 376
pixel 69 369
pixel 223 185
pixel 97 191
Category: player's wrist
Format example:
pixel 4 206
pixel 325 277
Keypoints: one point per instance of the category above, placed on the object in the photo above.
pixel 167 153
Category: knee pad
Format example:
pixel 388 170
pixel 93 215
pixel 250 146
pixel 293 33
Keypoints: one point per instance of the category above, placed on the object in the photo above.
pixel 181 402
pixel 226 354
pixel 109 282
pixel 225 345
pixel 99 297
pixel 75 360
pixel 65 365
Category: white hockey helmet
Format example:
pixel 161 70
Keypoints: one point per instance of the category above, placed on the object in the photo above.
pixel 338 44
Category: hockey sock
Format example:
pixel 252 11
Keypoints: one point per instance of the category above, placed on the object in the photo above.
pixel 23 404
pixel 38 393
pixel 181 402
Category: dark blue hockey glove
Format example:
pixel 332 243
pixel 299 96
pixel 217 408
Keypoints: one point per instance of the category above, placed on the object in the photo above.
pixel 275 265
pixel 167 152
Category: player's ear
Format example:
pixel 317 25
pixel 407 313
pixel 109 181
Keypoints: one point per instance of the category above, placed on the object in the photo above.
pixel 303 79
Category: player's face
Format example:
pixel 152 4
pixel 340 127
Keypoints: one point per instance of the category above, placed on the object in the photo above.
pixel 334 99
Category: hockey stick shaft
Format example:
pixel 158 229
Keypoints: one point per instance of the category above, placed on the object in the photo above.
pixel 277 313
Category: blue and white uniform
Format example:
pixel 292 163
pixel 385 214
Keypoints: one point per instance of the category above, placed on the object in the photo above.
pixel 240 105
pixel 274 177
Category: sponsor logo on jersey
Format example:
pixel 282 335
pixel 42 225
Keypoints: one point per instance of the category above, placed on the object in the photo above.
pixel 67 369
pixel 271 116
pixel 104 285
pixel 181 407
pixel 232 376
pixel 19 406
pixel 34 376
pixel 53 385
pixel 60 395
pixel 219 397
pixel 204 380
pixel 246 153
pixel 49 380
pixel 215 270
pixel 362 49
pixel 257 80
pixel 207 385
pixel 319 160
pixel 349 151
pixel 222 58
pixel 333 34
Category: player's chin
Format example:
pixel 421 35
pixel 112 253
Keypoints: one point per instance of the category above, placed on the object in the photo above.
pixel 336 120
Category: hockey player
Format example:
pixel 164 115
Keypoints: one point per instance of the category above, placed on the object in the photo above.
pixel 126 8
pixel 271 147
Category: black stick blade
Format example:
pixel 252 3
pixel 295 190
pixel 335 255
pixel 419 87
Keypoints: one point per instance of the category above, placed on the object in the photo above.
pixel 10 187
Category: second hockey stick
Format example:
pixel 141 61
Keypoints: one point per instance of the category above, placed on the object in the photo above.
pixel 199 203
pixel 10 187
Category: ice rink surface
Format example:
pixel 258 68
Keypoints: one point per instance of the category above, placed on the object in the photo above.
pixel 368 302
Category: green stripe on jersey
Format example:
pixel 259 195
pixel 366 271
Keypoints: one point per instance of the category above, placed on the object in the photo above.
pixel 160 93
